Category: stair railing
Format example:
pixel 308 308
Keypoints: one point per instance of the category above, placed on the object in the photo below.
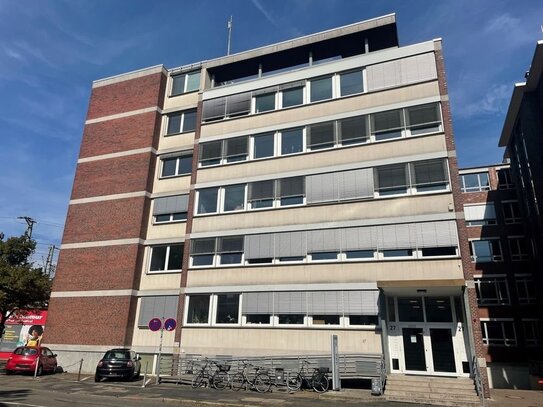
pixel 476 374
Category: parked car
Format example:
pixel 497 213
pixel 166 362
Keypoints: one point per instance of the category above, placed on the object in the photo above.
pixel 24 359
pixel 118 363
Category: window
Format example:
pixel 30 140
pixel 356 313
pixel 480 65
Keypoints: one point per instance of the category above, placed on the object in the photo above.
pixel 519 248
pixel 166 258
pixel 234 198
pixel 324 256
pixel 321 136
pixel 292 141
pixel 157 307
pixel 353 130
pixel 235 149
pixel 184 83
pixel 387 125
pixel 293 96
pixel 397 253
pixel 484 251
pixel 359 254
pixel 227 309
pixel 291 191
pixel 475 182
pixel 525 289
pixel 263 145
pixel 351 83
pixel 264 103
pixel 430 175
pixel 504 178
pixel 202 251
pixel 170 209
pixel 231 249
pixel 291 319
pixel 181 122
pixel 492 291
pixel 438 251
pixel 533 332
pixel 325 320
pixel 391 179
pixel 198 309
pixel 410 309
pixel 261 194
pixel 174 166
pixel 498 332
pixel 480 215
pixel 363 320
pixel 438 309
pixel 511 212
pixel 207 200
pixel 210 153
pixel 321 89
pixel 423 119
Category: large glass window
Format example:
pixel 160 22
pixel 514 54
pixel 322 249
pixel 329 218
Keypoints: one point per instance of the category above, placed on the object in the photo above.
pixel 525 289
pixel 353 130
pixel 511 212
pixel 198 312
pixel 202 251
pixel 423 119
pixel 181 122
pixel 533 332
pixel 504 179
pixel 321 135
pixel 227 309
pixel 519 248
pixel 261 194
pixel 492 291
pixel 263 145
pixel 231 249
pixel 235 149
pixel 438 309
pixel 475 182
pixel 166 258
pixel 264 103
pixel 293 96
pixel 391 179
pixel 173 166
pixel 291 191
pixel 210 153
pixel 321 89
pixel 484 251
pixel 234 197
pixel 430 175
pixel 292 141
pixel 184 83
pixel 410 309
pixel 351 83
pixel 499 332
pixel 207 200
pixel 387 125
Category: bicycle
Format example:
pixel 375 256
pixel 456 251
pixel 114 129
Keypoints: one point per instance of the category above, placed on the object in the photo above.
pixel 261 381
pixel 220 378
pixel 202 377
pixel 318 381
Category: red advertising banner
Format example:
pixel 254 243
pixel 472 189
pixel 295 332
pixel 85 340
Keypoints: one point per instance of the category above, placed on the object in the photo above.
pixel 22 330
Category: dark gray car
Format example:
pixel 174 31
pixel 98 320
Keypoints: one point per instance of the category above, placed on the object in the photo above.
pixel 118 364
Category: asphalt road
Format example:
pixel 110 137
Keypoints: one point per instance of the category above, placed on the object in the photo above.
pixel 63 390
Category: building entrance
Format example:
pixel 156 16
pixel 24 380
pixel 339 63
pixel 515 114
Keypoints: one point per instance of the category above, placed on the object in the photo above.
pixel 426 336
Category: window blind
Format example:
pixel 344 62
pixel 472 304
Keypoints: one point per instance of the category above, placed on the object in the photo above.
pixel 355 184
pixel 259 246
pixel 361 302
pixel 290 244
pixel 170 204
pixel 257 303
pixel 157 307
pixel 238 104
pixel 480 212
pixel 325 303
pixel 322 188
pixel 323 240
pixel 290 302
pixel 214 109
pixel 202 246
pixel 359 238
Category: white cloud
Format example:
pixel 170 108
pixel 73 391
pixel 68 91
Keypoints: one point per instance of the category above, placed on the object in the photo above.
pixel 266 14
pixel 494 101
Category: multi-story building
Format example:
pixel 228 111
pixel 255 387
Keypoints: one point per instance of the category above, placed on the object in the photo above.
pixel 502 269
pixel 269 199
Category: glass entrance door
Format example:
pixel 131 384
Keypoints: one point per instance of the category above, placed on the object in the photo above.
pixel 442 350
pixel 413 345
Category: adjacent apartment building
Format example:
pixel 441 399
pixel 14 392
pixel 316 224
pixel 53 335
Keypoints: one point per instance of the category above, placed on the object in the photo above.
pixel 269 199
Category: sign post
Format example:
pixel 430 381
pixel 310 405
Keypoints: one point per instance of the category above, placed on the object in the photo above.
pixel 156 324
pixel 336 382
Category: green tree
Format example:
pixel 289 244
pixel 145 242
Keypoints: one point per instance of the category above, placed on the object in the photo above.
pixel 23 287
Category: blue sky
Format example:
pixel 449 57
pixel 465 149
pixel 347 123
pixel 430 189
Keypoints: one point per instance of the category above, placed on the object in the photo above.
pixel 52 50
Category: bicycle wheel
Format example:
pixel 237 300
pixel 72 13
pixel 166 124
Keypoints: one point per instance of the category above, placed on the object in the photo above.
pixel 219 380
pixel 294 381
pixel 238 382
pixel 320 383
pixel 198 380
pixel 262 383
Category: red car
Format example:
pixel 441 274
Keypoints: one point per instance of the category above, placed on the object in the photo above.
pixel 24 358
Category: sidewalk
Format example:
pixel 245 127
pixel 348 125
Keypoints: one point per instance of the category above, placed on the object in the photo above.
pixel 515 398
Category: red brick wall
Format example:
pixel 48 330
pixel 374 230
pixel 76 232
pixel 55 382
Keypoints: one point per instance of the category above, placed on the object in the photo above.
pixel 98 268
pixel 126 96
pixel 126 133
pixel 118 175
pixel 105 220
pixel 89 321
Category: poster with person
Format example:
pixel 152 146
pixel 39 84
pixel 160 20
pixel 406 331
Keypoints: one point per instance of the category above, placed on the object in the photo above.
pixel 22 330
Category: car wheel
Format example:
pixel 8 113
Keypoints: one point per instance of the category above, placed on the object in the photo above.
pixel 9 372
pixel 97 378
pixel 39 372
pixel 137 375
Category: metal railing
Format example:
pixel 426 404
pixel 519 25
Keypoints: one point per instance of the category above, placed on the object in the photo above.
pixel 478 380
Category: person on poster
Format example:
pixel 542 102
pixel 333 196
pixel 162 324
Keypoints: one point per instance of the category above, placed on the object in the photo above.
pixel 35 333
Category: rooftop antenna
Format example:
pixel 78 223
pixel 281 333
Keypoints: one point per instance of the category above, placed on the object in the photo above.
pixel 229 26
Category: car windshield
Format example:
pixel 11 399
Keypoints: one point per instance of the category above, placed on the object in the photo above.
pixel 117 354
pixel 26 351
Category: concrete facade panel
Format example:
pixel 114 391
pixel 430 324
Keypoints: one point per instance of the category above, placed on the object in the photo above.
pixel 182 141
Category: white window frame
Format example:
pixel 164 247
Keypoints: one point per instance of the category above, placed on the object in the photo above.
pixel 215 305
pixel 177 164
pixel 497 280
pixel 185 81
pixel 181 123
pixel 526 282
pixel 155 222
pixel 343 255
pixel 276 102
pixel 480 188
pixel 341 323
pixel 381 255
pixel 347 324
pixel 507 342
pixel 304 97
pixel 495 257
pixel 484 222
pixel 290 326
pixel 186 311
pixel 222 199
pixel 312 260
pixel 197 202
pixel 251 155
pixel 279 142
pixel 166 260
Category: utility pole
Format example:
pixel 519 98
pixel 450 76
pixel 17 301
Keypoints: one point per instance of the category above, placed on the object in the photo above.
pixel 30 224
pixel 229 26
pixel 49 267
